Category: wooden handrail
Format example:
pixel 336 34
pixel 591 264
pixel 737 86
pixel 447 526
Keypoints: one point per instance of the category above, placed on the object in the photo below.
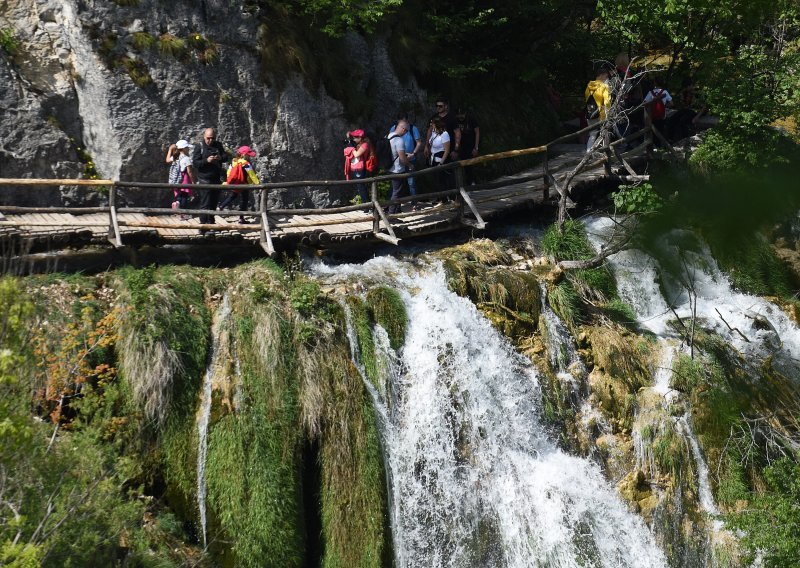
pixel 381 221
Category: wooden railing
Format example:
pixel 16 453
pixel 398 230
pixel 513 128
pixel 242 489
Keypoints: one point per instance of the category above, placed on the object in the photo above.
pixel 381 221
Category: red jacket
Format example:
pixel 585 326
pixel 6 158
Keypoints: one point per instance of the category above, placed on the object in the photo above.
pixel 348 157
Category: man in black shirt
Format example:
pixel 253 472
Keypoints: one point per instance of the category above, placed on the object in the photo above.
pixel 470 139
pixel 207 159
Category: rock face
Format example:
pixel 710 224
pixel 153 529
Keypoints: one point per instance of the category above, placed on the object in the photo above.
pixel 97 85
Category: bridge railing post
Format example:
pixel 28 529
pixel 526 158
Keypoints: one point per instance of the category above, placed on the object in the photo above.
pixel 265 237
pixel 376 218
pixel 114 236
pixel 546 178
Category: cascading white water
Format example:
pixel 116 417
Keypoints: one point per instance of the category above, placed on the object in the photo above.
pixel 753 325
pixel 639 280
pixel 381 410
pixel 475 479
pixel 204 413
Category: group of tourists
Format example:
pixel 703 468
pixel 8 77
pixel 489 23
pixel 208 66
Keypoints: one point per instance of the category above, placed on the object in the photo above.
pixel 639 93
pixel 449 137
pixel 203 163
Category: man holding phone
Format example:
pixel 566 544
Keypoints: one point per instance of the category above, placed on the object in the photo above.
pixel 207 159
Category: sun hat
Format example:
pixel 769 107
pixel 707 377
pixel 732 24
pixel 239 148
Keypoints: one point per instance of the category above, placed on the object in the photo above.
pixel 358 133
pixel 181 144
pixel 246 151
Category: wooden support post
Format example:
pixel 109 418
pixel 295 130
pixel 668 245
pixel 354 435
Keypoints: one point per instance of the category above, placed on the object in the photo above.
pixel 648 134
pixel 459 175
pixel 376 220
pixel 264 235
pixel 666 143
pixel 465 201
pixel 606 134
pixel 378 215
pixel 546 178
pixel 114 236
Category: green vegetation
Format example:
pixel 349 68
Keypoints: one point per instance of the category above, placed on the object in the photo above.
pixel 387 309
pixel 298 390
pixel 637 199
pixel 74 481
pixel 772 522
pixel 171 45
pixel 8 42
pixel 586 291
pixel 509 299
pixel 162 352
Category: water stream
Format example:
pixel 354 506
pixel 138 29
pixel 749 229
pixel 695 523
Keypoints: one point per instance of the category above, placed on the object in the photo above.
pixel 475 478
pixel 204 413
pixel 702 289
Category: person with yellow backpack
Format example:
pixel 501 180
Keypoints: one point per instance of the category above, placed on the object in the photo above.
pixel 598 102
pixel 240 173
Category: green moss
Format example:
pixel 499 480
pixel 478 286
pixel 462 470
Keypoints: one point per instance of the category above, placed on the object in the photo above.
pixel 509 299
pixel 163 350
pixel 387 309
pixel 669 451
pixel 258 510
pixel 366 344
pixel 565 303
pixel 753 265
pixel 687 374
pixel 296 393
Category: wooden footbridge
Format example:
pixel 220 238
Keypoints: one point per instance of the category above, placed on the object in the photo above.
pixel 276 229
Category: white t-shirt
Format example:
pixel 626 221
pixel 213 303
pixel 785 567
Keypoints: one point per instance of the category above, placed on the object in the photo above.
pixel 666 97
pixel 184 161
pixel 437 143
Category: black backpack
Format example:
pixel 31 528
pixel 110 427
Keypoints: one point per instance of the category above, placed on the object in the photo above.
pixel 384 151
pixel 592 108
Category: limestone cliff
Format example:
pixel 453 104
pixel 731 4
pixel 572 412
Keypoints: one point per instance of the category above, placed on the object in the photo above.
pixel 95 87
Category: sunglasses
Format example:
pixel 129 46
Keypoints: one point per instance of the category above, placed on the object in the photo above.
pixel 439 106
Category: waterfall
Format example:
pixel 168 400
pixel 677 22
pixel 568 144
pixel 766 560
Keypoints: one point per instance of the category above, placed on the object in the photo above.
pixel 756 327
pixel 476 479
pixel 639 281
pixel 563 355
pixel 204 413
pixel 381 411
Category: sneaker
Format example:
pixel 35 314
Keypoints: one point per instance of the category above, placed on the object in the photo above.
pixel 243 221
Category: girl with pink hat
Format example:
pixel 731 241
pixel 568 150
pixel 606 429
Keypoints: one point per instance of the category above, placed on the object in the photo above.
pixel 240 174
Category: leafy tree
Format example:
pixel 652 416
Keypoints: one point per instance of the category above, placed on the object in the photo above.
pixel 771 523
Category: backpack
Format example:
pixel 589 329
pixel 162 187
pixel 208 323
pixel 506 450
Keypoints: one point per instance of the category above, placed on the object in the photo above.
pixel 175 172
pixel 658 111
pixel 592 108
pixel 236 175
pixel 384 152
pixel 371 164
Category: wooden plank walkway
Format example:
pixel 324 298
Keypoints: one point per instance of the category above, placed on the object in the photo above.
pixel 526 189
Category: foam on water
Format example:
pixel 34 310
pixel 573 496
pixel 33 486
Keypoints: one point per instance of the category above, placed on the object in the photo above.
pixel 476 479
